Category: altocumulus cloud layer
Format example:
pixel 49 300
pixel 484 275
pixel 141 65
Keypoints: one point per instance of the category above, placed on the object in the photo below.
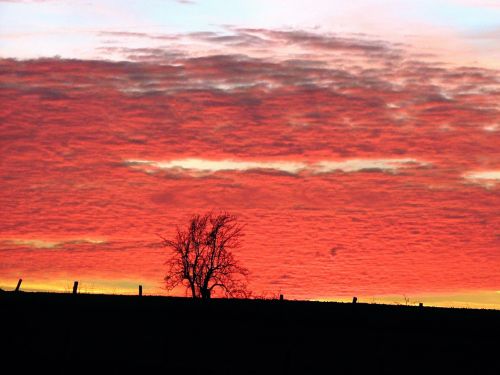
pixel 356 167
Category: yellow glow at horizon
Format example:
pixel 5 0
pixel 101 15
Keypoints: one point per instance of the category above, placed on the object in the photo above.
pixel 85 286
pixel 473 300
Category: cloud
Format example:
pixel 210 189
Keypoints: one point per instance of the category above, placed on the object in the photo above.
pixel 285 137
pixel 51 244
pixel 291 44
pixel 212 166
pixel 325 41
pixel 357 165
pixel 487 179
pixel 491 128
pixel 492 34
pixel 143 35
pixel 292 167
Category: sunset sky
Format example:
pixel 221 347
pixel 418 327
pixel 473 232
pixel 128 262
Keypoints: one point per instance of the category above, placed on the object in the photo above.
pixel 357 141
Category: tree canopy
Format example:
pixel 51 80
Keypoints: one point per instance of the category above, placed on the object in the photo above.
pixel 201 257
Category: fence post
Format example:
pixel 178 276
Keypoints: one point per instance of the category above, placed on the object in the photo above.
pixel 282 297
pixel 19 285
pixel 354 299
pixel 75 287
pixel 420 304
pixel 140 290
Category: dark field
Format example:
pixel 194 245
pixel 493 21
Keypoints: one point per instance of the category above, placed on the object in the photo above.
pixel 76 334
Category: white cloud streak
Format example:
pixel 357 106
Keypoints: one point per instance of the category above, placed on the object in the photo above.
pixel 204 166
pixel 487 179
pixel 51 244
pixel 356 165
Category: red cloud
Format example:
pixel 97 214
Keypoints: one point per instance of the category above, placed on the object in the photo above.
pixel 68 128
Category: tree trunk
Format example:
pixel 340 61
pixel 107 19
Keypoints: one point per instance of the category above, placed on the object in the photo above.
pixel 193 291
pixel 205 293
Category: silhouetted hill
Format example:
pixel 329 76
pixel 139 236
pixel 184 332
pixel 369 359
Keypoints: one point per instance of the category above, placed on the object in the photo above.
pixel 76 334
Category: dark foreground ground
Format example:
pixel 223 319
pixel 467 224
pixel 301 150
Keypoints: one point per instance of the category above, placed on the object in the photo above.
pixel 88 334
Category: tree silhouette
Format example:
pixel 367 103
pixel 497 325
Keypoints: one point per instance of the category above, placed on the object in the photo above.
pixel 201 258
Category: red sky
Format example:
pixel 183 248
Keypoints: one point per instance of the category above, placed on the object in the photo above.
pixel 357 167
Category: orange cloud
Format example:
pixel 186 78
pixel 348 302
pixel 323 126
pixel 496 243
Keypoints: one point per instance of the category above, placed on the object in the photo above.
pixel 411 219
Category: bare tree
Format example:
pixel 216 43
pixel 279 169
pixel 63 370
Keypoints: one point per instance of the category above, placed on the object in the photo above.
pixel 201 258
